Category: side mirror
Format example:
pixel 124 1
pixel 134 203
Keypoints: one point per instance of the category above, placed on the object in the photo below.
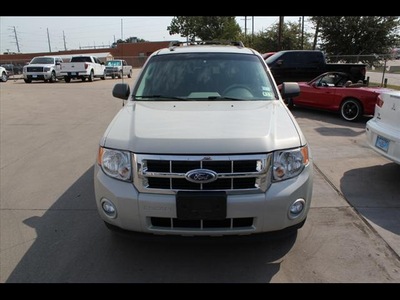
pixel 290 90
pixel 121 91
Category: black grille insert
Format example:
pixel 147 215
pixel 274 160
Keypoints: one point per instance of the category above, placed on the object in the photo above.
pixel 201 224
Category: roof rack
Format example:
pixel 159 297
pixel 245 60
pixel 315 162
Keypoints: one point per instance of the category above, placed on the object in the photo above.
pixel 174 44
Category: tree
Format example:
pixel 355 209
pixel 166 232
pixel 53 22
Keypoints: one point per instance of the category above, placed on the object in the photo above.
pixel 132 39
pixel 357 35
pixel 205 28
pixel 267 41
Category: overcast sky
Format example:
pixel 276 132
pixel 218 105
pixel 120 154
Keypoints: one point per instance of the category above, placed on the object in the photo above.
pixel 40 34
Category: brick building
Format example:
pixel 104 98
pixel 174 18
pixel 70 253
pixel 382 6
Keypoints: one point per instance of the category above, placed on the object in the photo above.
pixel 134 53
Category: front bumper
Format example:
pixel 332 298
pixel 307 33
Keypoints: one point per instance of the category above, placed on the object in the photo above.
pixel 375 129
pixel 37 76
pixel 247 213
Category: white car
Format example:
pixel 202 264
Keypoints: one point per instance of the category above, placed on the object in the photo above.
pixel 204 145
pixel 3 74
pixel 383 130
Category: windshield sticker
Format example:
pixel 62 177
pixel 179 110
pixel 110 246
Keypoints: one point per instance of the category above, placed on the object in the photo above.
pixel 267 94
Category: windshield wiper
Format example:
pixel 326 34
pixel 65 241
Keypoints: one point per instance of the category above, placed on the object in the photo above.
pixel 159 97
pixel 225 98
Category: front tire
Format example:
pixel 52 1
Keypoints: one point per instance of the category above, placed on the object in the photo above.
pixel 130 74
pixel 67 79
pixel 53 77
pixel 27 80
pixel 4 77
pixel 351 110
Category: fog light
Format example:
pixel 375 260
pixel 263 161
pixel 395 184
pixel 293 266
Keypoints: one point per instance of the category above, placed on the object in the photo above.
pixel 296 208
pixel 109 208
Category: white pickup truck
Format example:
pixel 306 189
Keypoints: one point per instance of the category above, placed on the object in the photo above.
pixel 83 67
pixel 46 68
pixel 118 68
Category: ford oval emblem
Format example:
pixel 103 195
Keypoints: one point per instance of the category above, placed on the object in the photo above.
pixel 201 176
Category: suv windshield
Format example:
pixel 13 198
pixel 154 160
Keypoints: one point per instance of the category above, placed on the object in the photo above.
pixel 204 76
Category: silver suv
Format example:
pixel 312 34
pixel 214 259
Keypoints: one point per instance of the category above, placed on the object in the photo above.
pixel 204 145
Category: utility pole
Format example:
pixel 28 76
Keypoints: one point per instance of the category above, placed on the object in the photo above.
pixel 252 29
pixel 48 39
pixel 16 39
pixel 245 26
pixel 122 31
pixel 316 34
pixel 302 32
pixel 280 30
pixel 65 44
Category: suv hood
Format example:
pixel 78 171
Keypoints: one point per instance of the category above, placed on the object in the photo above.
pixel 199 127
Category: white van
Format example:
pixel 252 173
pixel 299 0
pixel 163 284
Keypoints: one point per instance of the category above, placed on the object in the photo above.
pixel 383 130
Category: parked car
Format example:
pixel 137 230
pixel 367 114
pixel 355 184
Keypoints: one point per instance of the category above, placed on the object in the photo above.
pixel 204 145
pixel 3 74
pixel 334 91
pixel 267 54
pixel 304 65
pixel 83 67
pixel 13 69
pixel 383 130
pixel 118 68
pixel 9 69
pixel 43 68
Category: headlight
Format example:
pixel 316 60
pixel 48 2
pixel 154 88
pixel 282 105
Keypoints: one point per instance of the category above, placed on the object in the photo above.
pixel 116 164
pixel 46 69
pixel 289 163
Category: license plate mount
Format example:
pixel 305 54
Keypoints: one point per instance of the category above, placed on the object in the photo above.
pixel 201 205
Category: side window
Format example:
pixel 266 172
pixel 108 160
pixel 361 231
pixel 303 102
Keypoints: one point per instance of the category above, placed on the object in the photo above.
pixel 312 58
pixel 289 60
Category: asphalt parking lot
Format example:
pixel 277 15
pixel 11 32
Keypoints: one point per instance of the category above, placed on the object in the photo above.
pixel 50 231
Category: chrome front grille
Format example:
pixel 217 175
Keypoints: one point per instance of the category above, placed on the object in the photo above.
pixel 34 69
pixel 168 174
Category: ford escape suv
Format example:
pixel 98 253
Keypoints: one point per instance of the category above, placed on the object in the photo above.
pixel 204 145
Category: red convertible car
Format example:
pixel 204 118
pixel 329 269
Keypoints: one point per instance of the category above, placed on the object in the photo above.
pixel 333 91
